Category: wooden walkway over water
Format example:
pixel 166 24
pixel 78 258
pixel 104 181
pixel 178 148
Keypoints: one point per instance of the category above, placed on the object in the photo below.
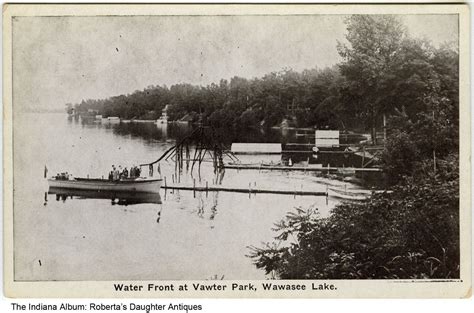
pixel 253 189
pixel 302 168
pixel 249 190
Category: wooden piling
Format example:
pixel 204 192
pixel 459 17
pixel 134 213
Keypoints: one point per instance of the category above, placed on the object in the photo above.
pixel 327 194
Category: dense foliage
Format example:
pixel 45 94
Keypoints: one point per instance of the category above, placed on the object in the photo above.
pixel 386 71
pixel 306 98
pixel 412 230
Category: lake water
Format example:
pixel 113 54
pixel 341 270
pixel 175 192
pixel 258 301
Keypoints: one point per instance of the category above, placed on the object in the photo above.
pixel 183 237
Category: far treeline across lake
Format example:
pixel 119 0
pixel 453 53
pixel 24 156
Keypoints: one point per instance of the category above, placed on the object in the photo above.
pixel 386 77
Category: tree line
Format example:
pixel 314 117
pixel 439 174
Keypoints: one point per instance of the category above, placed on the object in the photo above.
pixel 383 72
pixel 410 231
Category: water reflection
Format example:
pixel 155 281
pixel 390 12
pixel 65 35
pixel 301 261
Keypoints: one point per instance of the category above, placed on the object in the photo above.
pixel 175 131
pixel 122 198
pixel 295 143
pixel 204 202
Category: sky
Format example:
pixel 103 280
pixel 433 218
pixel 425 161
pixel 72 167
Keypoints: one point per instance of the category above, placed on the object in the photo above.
pixel 59 60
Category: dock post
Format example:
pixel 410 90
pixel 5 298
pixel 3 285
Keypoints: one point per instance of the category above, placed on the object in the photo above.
pixel 327 194
pixel 194 187
pixel 165 182
pixel 207 188
pixel 250 189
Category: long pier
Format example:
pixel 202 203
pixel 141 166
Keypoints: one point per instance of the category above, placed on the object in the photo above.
pixel 249 190
pixel 302 168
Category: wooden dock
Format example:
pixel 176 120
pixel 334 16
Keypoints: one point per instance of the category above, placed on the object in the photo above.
pixel 301 168
pixel 249 190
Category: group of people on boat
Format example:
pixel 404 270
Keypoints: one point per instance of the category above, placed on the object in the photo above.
pixel 119 173
pixel 62 176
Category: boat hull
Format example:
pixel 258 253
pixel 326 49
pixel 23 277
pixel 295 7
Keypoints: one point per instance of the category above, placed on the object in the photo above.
pixel 138 185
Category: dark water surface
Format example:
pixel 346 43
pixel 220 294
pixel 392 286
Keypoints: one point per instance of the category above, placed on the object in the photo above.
pixel 183 237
